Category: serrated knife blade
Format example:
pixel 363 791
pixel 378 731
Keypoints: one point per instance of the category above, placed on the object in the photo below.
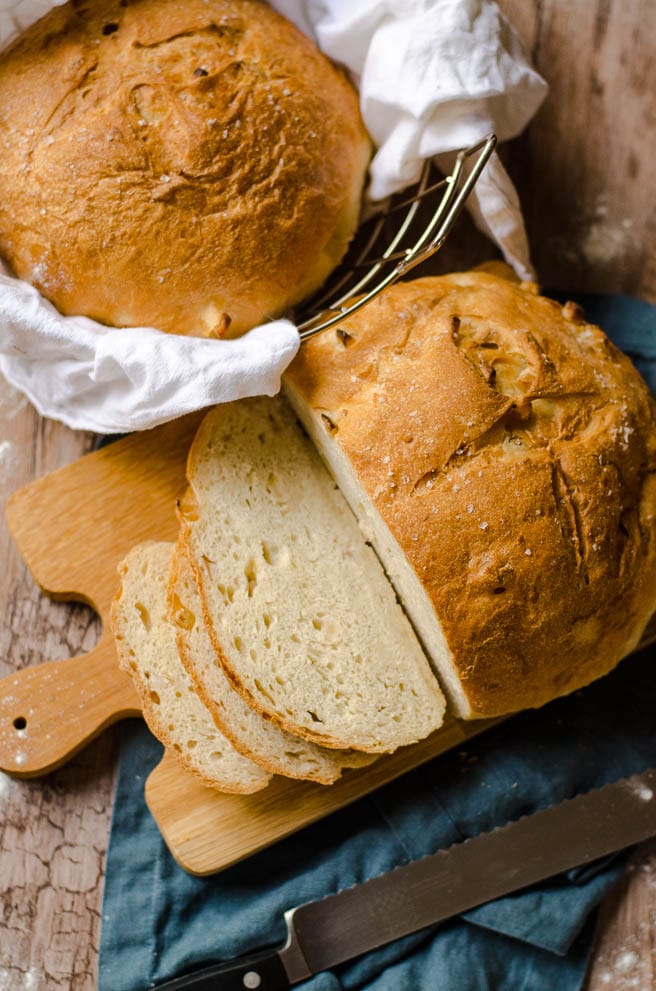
pixel 327 932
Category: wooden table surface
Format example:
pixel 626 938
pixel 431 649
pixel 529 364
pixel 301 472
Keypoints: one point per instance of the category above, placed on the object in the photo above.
pixel 586 172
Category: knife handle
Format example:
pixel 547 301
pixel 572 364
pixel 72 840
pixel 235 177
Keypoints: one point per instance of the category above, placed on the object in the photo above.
pixel 258 972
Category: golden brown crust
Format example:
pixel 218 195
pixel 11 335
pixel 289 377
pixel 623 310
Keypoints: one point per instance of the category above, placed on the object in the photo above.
pixel 511 449
pixel 194 165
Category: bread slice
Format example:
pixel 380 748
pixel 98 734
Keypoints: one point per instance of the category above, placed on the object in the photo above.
pixel 147 650
pixel 251 734
pixel 297 606
pixel 500 454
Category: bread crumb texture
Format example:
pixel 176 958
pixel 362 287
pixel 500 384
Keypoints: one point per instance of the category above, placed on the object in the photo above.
pixel 510 449
pixel 252 735
pixel 146 648
pixel 299 610
pixel 193 165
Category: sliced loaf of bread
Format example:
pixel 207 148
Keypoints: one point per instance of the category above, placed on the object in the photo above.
pixel 500 454
pixel 251 734
pixel 298 607
pixel 147 649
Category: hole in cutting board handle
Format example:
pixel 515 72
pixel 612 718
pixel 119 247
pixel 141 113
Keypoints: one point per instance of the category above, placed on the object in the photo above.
pixel 49 711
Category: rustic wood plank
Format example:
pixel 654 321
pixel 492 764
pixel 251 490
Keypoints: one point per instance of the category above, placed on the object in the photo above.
pixel 53 832
pixel 624 957
pixel 586 168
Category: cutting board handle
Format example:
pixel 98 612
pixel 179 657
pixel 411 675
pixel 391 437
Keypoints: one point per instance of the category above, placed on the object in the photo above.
pixel 50 711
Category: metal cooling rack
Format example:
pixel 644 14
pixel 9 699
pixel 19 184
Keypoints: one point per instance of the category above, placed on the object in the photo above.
pixel 394 240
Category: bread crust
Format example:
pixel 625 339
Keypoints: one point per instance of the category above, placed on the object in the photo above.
pixel 192 165
pixel 510 449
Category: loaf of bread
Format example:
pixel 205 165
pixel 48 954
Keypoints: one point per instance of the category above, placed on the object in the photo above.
pixel 253 736
pixel 500 453
pixel 146 647
pixel 298 608
pixel 192 165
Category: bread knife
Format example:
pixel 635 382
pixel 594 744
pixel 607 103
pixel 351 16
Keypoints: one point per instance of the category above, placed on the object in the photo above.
pixel 324 933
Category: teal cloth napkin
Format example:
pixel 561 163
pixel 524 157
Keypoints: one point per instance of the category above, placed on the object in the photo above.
pixel 158 921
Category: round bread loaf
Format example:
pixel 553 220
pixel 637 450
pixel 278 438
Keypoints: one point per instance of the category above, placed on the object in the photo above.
pixel 500 452
pixel 192 165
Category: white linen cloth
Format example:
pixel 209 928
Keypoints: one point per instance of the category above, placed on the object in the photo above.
pixel 434 76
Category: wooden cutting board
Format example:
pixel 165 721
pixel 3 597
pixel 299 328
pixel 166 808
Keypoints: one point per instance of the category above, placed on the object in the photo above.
pixel 72 528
